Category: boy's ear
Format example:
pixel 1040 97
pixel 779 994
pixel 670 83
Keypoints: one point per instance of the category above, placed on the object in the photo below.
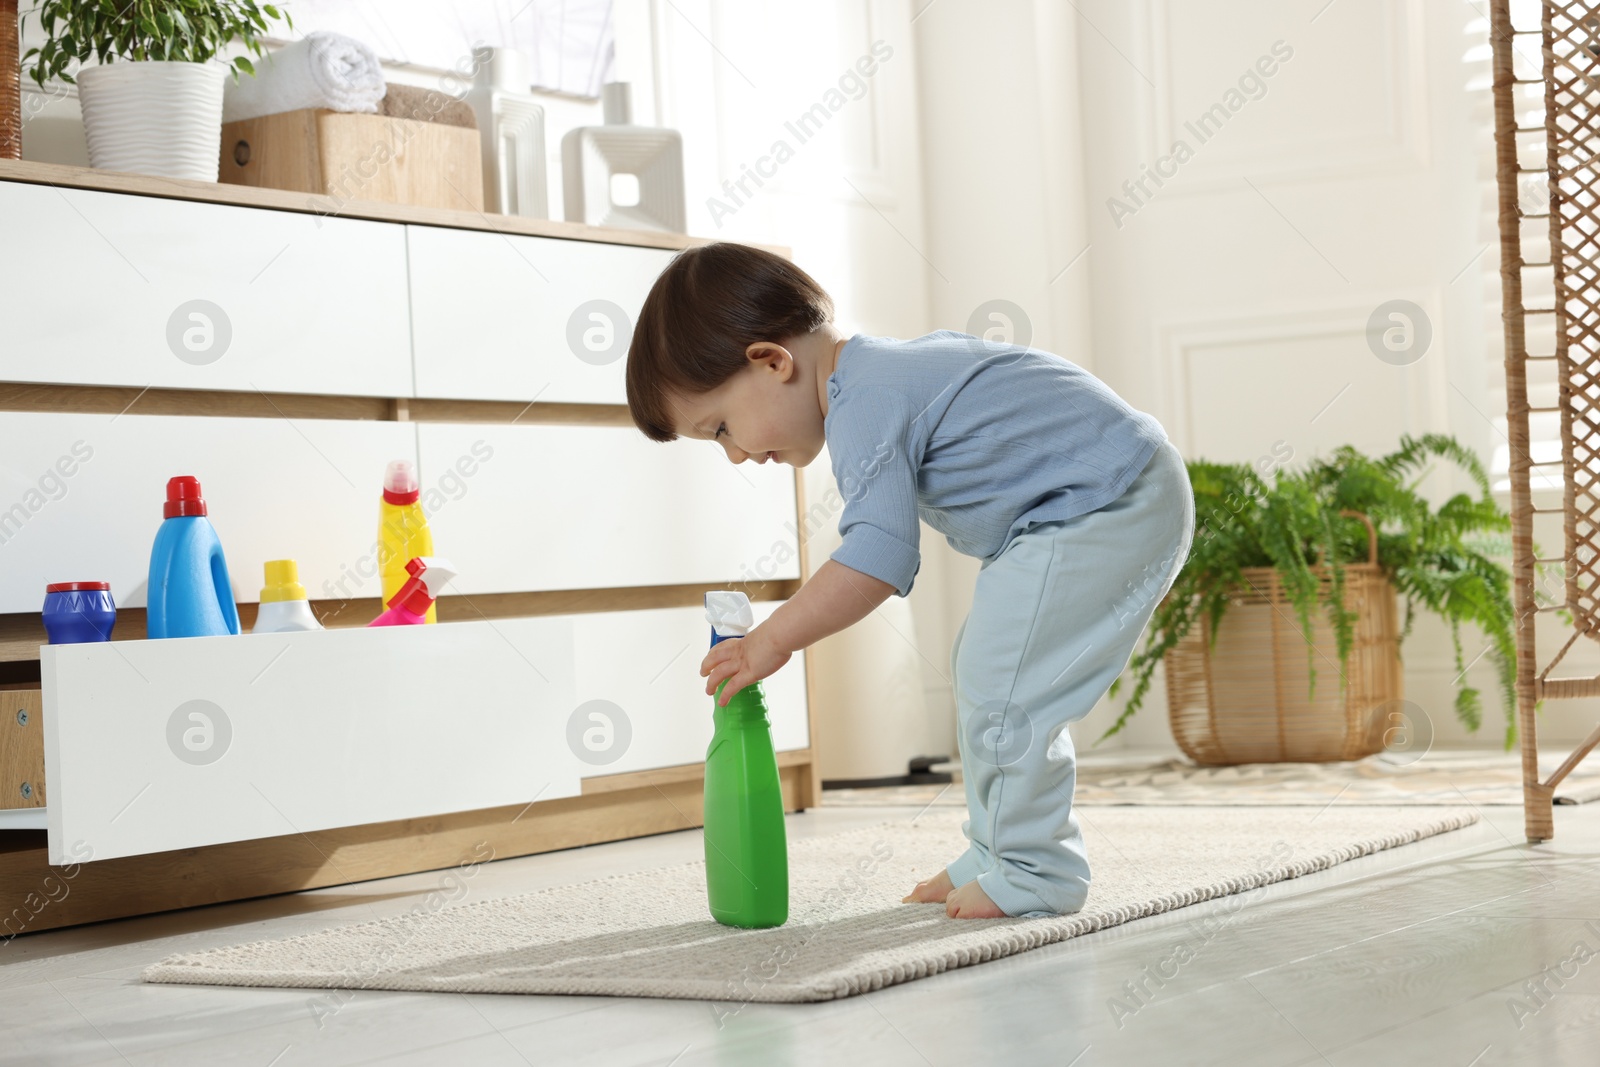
pixel 773 357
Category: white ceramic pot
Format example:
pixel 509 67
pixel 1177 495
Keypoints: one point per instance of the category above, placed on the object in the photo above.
pixel 158 118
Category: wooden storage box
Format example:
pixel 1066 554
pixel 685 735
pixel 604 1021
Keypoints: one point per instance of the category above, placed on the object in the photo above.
pixel 344 157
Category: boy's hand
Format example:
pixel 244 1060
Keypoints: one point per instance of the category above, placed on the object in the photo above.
pixel 741 660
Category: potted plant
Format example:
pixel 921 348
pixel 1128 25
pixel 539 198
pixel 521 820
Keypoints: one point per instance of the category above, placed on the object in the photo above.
pixel 1443 560
pixel 153 105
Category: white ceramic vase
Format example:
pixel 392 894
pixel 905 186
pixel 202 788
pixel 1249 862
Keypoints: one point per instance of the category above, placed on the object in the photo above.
pixel 592 155
pixel 511 129
pixel 155 117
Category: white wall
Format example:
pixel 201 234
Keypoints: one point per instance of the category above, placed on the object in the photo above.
pixel 1231 304
pixel 1003 172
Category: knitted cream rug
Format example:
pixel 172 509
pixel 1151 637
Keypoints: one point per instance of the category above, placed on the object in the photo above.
pixel 648 934
pixel 1446 778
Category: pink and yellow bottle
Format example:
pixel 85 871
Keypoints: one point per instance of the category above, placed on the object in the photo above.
pixel 412 605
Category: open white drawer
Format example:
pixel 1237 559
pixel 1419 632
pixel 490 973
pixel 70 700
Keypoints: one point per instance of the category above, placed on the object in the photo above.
pixel 159 745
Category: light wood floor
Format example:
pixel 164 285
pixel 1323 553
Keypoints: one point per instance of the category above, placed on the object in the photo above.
pixel 1418 955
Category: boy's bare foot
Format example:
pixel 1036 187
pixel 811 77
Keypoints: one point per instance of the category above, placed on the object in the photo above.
pixel 971 902
pixel 933 891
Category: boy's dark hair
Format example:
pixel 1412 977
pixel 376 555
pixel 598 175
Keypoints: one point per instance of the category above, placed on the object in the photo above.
pixel 709 305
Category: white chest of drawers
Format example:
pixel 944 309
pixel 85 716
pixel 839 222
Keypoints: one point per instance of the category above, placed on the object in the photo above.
pixel 345 342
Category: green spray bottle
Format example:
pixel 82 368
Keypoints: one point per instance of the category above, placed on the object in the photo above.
pixel 747 851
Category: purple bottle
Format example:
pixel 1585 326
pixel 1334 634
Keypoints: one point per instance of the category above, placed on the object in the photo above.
pixel 75 612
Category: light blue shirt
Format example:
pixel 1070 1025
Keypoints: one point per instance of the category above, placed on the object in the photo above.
pixel 977 438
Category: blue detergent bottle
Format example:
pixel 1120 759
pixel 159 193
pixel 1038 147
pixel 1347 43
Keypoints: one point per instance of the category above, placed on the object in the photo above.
pixel 190 595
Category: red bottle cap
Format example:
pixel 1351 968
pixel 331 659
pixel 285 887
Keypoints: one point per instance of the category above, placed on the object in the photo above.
pixel 183 497
pixel 73 587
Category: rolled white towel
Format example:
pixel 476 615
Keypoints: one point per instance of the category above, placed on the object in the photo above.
pixel 327 70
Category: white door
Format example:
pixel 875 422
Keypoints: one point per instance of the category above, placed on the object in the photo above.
pixel 1266 184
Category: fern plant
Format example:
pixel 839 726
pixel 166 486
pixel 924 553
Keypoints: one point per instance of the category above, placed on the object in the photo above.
pixel 1444 560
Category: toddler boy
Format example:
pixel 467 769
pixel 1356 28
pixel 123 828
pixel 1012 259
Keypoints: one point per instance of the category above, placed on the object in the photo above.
pixel 1077 504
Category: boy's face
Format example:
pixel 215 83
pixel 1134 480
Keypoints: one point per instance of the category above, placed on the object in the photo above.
pixel 765 412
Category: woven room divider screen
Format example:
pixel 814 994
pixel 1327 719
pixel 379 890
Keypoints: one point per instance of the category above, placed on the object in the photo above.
pixel 1547 124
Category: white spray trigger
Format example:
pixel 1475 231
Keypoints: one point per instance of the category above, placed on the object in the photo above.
pixel 436 573
pixel 729 613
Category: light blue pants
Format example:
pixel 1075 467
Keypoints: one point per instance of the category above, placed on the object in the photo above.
pixel 1054 620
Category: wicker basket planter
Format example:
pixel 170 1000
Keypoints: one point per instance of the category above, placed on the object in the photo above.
pixel 1247 700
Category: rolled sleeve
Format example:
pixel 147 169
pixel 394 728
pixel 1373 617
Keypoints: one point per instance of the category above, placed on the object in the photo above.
pixel 881 555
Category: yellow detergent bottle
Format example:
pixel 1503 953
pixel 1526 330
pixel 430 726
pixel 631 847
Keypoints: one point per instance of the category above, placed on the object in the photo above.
pixel 402 529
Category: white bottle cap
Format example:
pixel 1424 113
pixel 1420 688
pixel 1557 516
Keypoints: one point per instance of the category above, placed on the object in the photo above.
pixel 400 477
pixel 436 572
